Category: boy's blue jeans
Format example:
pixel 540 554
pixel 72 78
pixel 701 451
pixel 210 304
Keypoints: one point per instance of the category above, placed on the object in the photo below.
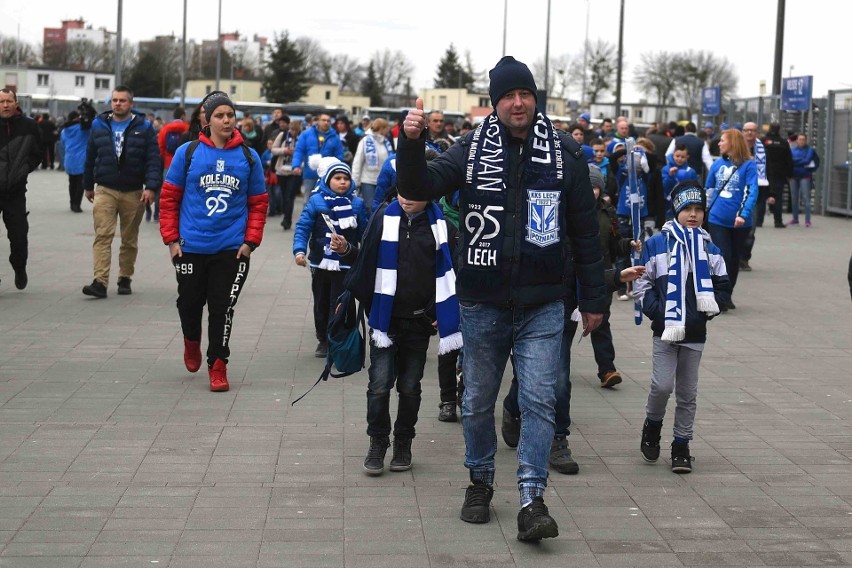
pixel 534 336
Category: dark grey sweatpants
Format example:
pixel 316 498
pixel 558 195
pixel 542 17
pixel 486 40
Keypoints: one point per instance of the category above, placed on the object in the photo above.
pixel 675 369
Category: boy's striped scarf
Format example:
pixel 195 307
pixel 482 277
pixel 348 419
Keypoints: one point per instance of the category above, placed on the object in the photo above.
pixel 446 304
pixel 342 217
pixel 688 253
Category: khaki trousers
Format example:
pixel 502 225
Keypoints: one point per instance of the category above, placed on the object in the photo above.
pixel 127 207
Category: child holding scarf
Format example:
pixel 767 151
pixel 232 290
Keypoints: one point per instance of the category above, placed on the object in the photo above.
pixel 335 198
pixel 684 272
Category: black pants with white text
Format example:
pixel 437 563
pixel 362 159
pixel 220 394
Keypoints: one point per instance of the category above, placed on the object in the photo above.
pixel 215 280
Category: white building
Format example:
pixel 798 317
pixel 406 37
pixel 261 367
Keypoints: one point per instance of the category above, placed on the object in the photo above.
pixel 58 82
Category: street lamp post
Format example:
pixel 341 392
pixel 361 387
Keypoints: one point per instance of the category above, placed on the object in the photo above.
pixel 219 48
pixel 183 61
pixel 118 45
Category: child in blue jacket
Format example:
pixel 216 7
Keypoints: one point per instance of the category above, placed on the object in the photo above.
pixel 677 170
pixel 684 272
pixel 335 198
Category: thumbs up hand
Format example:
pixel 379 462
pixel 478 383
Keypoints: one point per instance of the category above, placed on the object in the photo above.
pixel 415 121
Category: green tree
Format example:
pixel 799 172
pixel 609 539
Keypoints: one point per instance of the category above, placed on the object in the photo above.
pixel 370 86
pixel 145 77
pixel 285 79
pixel 451 73
pixel 156 71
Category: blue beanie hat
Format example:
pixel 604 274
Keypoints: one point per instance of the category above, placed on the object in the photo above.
pixel 587 117
pixel 688 193
pixel 509 74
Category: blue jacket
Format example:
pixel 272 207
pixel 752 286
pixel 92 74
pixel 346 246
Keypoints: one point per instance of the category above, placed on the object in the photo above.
pixel 309 237
pixel 75 140
pixel 651 288
pixel 802 158
pixel 739 195
pixel 308 144
pixel 139 163
pixel 683 173
pixel 385 181
pixel 221 200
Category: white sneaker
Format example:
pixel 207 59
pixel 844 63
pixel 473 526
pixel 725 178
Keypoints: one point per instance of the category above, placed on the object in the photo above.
pixel 623 297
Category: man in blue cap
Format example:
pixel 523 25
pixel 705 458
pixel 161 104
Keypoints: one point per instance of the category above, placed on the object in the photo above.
pixel 525 195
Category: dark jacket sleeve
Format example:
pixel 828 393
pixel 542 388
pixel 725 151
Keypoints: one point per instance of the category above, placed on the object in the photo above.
pixel 421 182
pixel 153 162
pixel 36 153
pixel 361 278
pixel 582 228
pixel 89 168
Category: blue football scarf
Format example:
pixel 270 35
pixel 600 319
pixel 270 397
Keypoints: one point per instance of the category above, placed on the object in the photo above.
pixel 342 217
pixel 371 154
pixel 483 205
pixel 446 304
pixel 689 253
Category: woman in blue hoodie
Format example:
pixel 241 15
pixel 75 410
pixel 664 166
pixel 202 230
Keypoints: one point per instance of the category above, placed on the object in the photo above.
pixel 75 138
pixel 731 194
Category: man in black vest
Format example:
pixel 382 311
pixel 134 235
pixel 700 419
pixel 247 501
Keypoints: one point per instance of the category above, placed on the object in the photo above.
pixel 700 159
pixel 524 191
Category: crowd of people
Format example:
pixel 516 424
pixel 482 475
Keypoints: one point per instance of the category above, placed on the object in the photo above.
pixel 501 239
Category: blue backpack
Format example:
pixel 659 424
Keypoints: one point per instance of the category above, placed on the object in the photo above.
pixel 173 141
pixel 347 338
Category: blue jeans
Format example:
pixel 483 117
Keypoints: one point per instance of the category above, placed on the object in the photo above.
pixel 534 337
pixel 800 188
pixel 731 243
pixel 401 364
pixel 368 192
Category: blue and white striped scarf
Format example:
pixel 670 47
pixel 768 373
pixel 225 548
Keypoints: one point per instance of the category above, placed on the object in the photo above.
pixel 446 304
pixel 342 217
pixel 689 253
pixel 371 153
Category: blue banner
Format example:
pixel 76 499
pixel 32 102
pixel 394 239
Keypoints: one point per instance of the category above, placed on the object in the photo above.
pixel 796 93
pixel 711 101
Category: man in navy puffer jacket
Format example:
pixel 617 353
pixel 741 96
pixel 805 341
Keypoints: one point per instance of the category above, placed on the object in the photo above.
pixel 122 157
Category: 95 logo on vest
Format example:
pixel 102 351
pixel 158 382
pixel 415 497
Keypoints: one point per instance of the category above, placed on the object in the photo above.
pixel 542 217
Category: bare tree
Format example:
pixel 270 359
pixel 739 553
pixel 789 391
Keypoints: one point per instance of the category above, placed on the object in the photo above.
pixel 317 60
pixel 13 51
pixel 698 69
pixel 557 74
pixel 656 76
pixel 88 55
pixel 480 78
pixel 603 63
pixel 393 71
pixel 346 72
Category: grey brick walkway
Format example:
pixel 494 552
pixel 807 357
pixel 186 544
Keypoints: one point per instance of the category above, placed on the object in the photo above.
pixel 112 455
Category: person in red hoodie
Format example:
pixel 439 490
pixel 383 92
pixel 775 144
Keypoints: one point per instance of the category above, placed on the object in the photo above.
pixel 169 140
pixel 213 210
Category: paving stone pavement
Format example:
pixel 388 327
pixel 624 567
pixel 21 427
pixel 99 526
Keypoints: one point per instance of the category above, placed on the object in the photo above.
pixel 112 455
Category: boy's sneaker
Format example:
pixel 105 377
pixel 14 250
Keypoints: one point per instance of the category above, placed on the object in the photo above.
pixel 535 522
pixel 560 456
pixel 610 379
pixel 623 297
pixel 650 445
pixel 510 428
pixel 124 286
pixel 218 375
pixel 447 412
pixel 322 350
pixel 401 460
pixel 477 500
pixel 374 463
pixel 681 460
pixel 96 289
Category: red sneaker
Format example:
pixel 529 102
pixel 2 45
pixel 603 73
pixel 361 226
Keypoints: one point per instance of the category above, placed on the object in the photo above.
pixel 191 355
pixel 218 376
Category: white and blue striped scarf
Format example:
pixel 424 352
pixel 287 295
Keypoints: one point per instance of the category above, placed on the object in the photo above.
pixel 688 254
pixel 342 217
pixel 371 153
pixel 446 304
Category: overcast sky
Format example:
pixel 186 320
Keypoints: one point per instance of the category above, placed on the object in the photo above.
pixel 741 30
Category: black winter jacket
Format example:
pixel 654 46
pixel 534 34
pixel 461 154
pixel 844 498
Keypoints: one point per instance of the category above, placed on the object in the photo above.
pixel 520 281
pixel 138 165
pixel 20 153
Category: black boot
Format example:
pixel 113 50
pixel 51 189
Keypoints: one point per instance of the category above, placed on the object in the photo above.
pixel 535 522
pixel 681 460
pixel 401 460
pixel 374 464
pixel 651 440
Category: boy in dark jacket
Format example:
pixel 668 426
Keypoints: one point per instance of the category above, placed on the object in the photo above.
pixel 406 282
pixel 684 271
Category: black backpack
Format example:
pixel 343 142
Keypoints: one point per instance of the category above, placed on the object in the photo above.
pixel 347 338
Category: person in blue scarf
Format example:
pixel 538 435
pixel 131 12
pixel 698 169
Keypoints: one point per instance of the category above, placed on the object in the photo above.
pixel 684 282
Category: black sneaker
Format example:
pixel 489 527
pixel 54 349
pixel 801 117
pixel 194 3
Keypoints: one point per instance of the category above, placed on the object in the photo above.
pixel 447 412
pixel 730 305
pixel 322 350
pixel 511 429
pixel 535 522
pixel 651 440
pixel 21 278
pixel 681 460
pixel 401 460
pixel 95 289
pixel 745 266
pixel 560 456
pixel 374 463
pixel 477 500
pixel 124 286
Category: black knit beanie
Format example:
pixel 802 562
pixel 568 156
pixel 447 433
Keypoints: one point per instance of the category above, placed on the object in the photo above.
pixel 214 100
pixel 509 74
